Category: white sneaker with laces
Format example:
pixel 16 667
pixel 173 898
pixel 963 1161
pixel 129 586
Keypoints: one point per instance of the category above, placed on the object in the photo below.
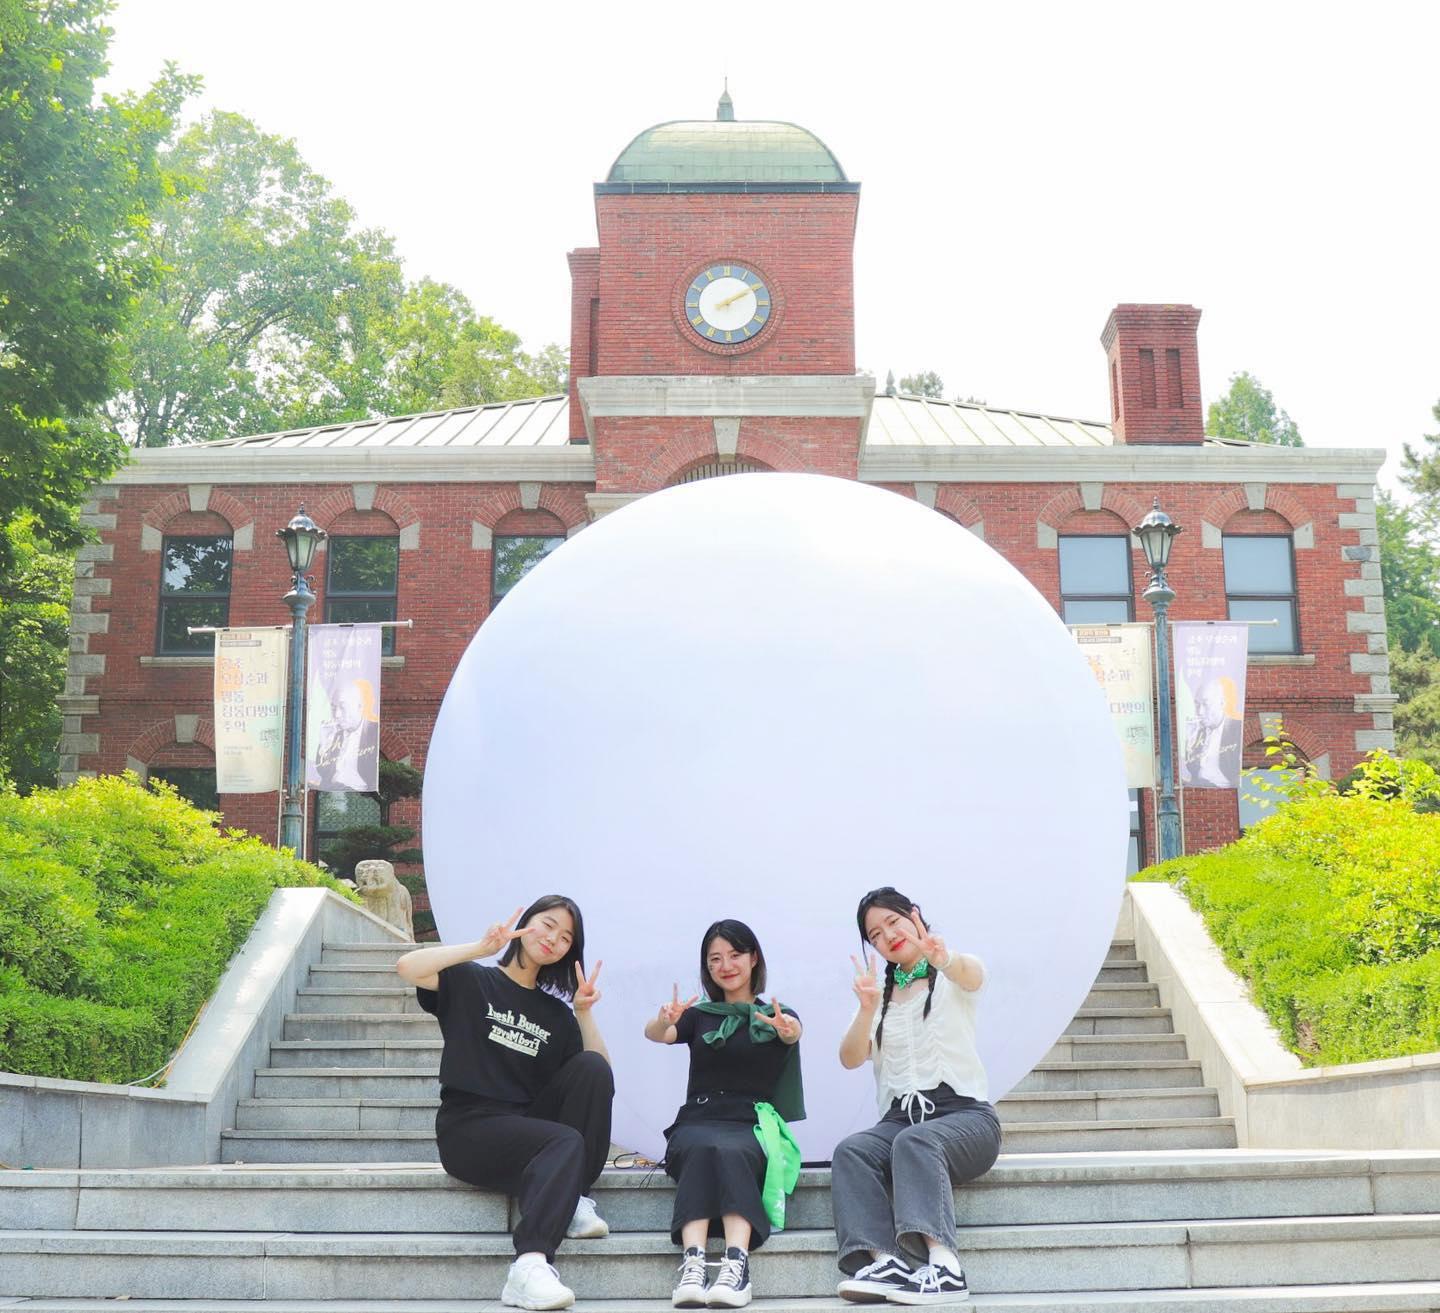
pixel 873 1283
pixel 931 1285
pixel 690 1289
pixel 732 1287
pixel 535 1284
pixel 587 1224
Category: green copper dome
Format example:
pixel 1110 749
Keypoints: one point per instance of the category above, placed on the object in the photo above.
pixel 726 150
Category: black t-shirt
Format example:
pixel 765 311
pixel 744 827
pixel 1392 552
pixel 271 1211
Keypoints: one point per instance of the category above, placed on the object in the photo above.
pixel 503 1042
pixel 739 1066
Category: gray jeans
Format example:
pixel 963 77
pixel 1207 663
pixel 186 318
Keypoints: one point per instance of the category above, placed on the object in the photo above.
pixel 893 1185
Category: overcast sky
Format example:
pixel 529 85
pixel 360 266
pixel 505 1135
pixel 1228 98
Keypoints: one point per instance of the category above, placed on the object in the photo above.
pixel 1024 167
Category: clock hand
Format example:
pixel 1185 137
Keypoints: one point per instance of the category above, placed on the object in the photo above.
pixel 730 300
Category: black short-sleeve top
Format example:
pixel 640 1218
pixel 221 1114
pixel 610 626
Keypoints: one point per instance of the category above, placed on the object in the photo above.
pixel 503 1042
pixel 739 1066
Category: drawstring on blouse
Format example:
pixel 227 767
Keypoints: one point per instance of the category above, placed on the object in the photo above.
pixel 914 1099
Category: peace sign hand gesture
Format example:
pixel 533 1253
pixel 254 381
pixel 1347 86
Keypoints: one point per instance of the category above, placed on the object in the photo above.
pixel 867 984
pixel 586 995
pixel 786 1027
pixel 931 946
pixel 671 1012
pixel 500 934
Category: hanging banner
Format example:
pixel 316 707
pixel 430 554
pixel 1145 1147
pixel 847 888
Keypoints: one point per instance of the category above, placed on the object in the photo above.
pixel 1210 703
pixel 1120 657
pixel 249 709
pixel 342 710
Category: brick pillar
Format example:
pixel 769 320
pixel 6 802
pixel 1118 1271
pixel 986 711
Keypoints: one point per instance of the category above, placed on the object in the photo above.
pixel 1154 374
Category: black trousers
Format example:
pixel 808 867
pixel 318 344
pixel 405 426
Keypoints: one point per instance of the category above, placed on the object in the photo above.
pixel 546 1155
pixel 718 1168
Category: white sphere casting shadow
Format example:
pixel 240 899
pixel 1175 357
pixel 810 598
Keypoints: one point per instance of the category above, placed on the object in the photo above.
pixel 758 697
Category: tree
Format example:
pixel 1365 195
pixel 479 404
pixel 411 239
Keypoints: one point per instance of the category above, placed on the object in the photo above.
pixel 1415 677
pixel 78 179
pixel 34 627
pixel 1422 468
pixel 1410 570
pixel 926 384
pixel 1248 413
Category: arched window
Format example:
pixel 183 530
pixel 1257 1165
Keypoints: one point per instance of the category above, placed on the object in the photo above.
pixel 1096 585
pixel 196 784
pixel 717 469
pixel 1259 555
pixel 194 589
pixel 521 541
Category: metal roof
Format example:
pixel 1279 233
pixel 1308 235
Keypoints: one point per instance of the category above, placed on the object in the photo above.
pixel 534 422
pixel 726 150
pixel 906 421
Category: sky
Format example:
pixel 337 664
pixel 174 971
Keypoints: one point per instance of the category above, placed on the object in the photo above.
pixel 1024 167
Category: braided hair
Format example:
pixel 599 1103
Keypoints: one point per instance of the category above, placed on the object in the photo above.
pixel 892 900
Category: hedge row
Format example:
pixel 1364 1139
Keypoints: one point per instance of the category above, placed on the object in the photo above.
pixel 120 908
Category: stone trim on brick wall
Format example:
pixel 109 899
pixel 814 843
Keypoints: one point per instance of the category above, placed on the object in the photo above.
pixel 500 502
pixel 1087 496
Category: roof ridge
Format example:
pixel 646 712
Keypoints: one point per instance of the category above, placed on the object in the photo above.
pixel 1001 410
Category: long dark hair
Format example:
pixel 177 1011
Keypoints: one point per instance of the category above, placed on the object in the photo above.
pixel 892 900
pixel 558 977
pixel 740 936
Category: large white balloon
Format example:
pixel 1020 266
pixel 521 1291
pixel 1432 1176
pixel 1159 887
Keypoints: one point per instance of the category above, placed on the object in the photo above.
pixel 758 697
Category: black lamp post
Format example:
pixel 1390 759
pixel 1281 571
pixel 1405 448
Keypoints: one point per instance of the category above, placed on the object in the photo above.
pixel 301 536
pixel 1156 533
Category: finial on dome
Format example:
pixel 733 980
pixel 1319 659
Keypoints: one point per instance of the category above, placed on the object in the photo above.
pixel 725 111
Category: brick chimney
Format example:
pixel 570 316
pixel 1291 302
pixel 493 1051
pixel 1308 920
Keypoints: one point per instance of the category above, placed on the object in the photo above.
pixel 584 327
pixel 1154 374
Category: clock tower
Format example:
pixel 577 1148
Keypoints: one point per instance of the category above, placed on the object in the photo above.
pixel 713 327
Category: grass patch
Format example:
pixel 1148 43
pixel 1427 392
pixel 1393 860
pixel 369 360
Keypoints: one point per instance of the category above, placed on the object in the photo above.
pixel 120 908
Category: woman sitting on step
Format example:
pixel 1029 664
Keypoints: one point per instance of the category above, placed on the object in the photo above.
pixel 525 1083
pixel 892 1186
pixel 730 1151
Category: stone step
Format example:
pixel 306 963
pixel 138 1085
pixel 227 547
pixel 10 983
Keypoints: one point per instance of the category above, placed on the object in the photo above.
pixel 1019 1189
pixel 356 1053
pixel 396 1110
pixel 361 1025
pixel 351 999
pixel 1114 970
pixel 1116 1048
pixel 400 1145
pixel 1121 950
pixel 795 1263
pixel 1167 1073
pixel 1377 1297
pixel 1122 1021
pixel 1125 994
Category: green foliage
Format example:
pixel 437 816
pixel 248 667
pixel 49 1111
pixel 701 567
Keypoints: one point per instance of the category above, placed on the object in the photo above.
pixel 78 177
pixel 1248 413
pixel 1330 909
pixel 1422 465
pixel 1415 677
pixel 275 312
pixel 925 384
pixel 119 909
pixel 34 633
pixel 383 842
pixel 1410 570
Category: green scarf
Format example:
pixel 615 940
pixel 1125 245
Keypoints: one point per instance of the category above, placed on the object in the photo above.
pixel 782 1162
pixel 789 1096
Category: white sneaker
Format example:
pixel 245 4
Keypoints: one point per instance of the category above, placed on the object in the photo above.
pixel 690 1289
pixel 535 1285
pixel 731 1288
pixel 587 1224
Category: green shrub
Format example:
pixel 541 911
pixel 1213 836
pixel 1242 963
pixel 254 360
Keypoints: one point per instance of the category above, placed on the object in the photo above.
pixel 1330 910
pixel 119 910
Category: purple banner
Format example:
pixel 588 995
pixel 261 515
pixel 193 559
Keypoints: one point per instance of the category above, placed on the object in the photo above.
pixel 1210 703
pixel 342 711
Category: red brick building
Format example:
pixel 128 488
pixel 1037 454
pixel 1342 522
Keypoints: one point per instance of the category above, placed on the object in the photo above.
pixel 713 332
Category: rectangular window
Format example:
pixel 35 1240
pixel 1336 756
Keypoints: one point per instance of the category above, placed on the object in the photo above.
pixel 361 580
pixel 514 557
pixel 335 813
pixel 1095 580
pixel 196 784
pixel 1260 585
pixel 194 590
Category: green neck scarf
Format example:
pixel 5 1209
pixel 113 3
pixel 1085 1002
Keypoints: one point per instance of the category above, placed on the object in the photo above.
pixel 789 1097
pixel 919 971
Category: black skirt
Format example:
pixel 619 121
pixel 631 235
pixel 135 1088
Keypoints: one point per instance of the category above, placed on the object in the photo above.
pixel 718 1166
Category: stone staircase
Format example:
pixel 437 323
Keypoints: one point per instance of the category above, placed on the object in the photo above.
pixel 1119 1190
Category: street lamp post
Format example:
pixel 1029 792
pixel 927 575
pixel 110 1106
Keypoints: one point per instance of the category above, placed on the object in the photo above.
pixel 1156 532
pixel 301 537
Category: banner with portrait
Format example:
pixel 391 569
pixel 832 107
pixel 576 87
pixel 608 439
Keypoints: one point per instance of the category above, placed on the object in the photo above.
pixel 1210 664
pixel 1119 656
pixel 342 709
pixel 249 709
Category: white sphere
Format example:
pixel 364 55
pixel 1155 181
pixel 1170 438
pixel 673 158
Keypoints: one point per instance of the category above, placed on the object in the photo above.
pixel 759 697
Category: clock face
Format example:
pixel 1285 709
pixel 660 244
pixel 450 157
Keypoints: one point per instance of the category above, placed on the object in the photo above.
pixel 727 303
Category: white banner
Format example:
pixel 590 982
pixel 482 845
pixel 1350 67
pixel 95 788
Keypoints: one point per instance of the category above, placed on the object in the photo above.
pixel 1210 661
pixel 1120 657
pixel 342 709
pixel 249 709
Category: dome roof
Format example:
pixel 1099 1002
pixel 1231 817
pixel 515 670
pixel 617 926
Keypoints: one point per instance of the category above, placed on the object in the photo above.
pixel 726 150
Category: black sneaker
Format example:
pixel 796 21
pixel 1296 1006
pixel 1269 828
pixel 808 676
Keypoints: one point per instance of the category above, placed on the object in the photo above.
pixel 931 1285
pixel 731 1289
pixel 872 1284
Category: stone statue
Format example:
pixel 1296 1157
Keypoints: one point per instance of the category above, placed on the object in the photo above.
pixel 384 895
